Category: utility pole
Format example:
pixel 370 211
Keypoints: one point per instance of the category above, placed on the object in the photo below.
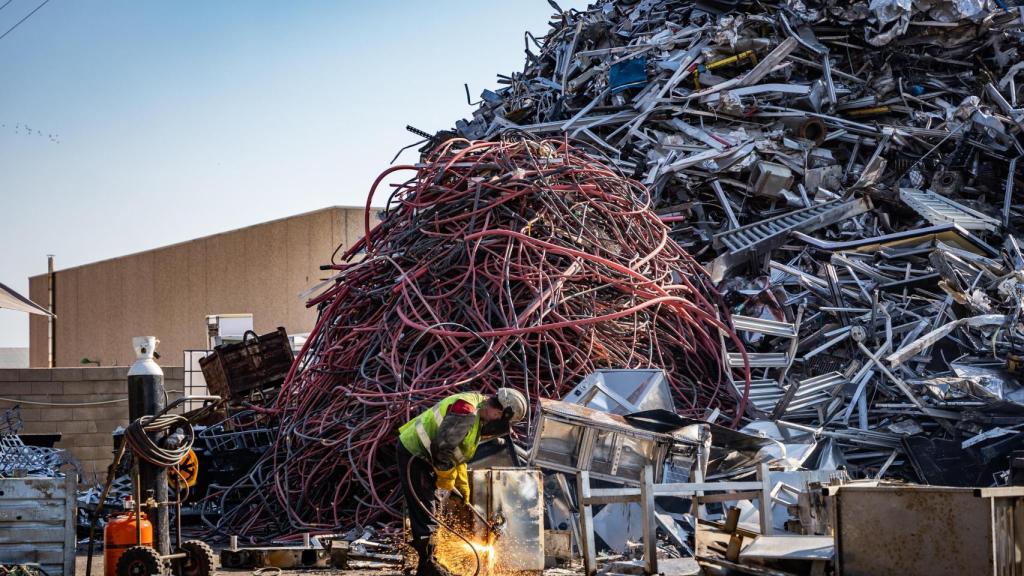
pixel 51 326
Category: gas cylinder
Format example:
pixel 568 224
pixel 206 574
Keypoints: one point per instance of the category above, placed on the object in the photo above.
pixel 119 535
pixel 146 397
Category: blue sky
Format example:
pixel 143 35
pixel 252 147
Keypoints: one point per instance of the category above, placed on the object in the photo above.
pixel 150 123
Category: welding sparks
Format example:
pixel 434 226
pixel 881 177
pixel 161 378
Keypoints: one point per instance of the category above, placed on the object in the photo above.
pixel 459 557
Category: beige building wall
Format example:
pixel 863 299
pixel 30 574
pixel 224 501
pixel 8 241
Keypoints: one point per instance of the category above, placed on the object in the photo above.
pixel 168 292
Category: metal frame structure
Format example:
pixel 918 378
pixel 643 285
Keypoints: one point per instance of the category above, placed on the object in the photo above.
pixel 645 495
pixel 767 395
pixel 194 381
pixel 584 429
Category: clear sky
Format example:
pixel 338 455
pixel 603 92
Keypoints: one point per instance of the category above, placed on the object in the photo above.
pixel 131 124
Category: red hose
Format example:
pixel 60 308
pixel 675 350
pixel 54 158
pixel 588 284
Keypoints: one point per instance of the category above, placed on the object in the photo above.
pixel 518 263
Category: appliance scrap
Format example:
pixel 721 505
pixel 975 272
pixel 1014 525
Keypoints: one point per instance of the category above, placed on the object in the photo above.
pixel 847 171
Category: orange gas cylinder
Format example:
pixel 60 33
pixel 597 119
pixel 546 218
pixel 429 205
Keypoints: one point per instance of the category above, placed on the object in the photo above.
pixel 119 535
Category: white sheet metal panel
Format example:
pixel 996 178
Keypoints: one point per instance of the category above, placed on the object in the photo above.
pixel 37 523
pixel 517 496
pixel 622 391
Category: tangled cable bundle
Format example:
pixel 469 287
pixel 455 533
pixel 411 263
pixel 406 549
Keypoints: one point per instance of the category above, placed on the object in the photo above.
pixel 139 433
pixel 516 263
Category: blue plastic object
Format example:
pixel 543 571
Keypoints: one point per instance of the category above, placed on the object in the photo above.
pixel 628 74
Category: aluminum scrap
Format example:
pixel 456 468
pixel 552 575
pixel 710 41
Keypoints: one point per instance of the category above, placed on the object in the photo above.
pixel 847 171
pixel 18 459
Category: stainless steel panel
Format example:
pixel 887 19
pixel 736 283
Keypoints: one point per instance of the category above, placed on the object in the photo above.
pixel 558 444
pixel 515 495
pixel 617 455
pixel 618 525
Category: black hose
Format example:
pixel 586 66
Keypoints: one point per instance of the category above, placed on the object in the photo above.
pixel 138 436
pixel 408 486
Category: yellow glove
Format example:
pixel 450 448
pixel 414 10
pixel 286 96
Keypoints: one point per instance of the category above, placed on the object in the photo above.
pixel 462 481
pixel 446 478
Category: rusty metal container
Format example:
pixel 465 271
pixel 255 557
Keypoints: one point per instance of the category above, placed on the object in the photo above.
pixel 928 530
pixel 258 363
pixel 37 523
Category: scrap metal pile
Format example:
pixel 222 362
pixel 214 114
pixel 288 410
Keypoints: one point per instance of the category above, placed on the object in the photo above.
pixel 770 117
pixel 18 460
pixel 516 263
pixel 847 171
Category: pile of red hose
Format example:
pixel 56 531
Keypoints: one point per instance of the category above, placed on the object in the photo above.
pixel 518 263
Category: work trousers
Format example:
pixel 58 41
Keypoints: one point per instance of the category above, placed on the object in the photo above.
pixel 418 485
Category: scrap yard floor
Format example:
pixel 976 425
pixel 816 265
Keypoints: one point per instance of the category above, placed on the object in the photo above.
pixel 672 568
pixel 97 568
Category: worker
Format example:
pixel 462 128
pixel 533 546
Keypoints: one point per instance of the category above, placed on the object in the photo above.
pixel 433 449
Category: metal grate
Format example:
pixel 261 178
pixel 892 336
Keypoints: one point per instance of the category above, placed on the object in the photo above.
pixel 938 209
pixel 17 459
pixel 760 235
pixel 231 434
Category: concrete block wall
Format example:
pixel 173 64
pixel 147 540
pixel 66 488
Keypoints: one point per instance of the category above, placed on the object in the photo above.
pixel 71 396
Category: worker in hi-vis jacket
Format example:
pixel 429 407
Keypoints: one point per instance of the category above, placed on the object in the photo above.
pixel 433 449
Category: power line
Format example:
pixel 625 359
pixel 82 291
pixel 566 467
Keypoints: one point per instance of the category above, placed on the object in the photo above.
pixel 11 29
pixel 5 4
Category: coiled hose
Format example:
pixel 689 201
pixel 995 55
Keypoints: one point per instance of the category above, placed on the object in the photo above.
pixel 139 437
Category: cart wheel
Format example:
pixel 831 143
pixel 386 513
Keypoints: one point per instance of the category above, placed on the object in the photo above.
pixel 199 562
pixel 141 561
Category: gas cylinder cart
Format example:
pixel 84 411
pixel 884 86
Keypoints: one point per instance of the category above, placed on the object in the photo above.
pixel 162 441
